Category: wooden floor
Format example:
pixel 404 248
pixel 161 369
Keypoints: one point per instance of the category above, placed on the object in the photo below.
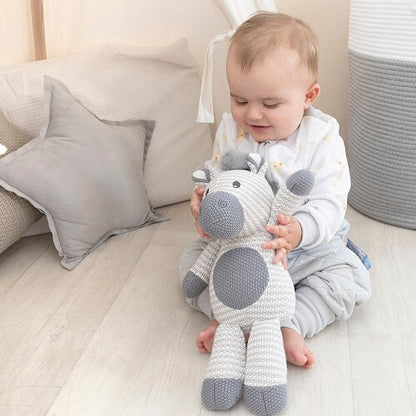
pixel 114 336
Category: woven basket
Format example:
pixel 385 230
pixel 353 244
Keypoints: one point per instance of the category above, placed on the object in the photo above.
pixel 382 110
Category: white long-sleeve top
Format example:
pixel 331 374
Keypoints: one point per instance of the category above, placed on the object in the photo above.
pixel 316 145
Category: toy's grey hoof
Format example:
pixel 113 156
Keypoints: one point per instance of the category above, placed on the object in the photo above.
pixel 221 393
pixel 192 285
pixel 265 401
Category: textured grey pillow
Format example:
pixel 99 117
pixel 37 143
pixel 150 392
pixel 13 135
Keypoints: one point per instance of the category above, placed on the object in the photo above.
pixel 84 173
pixel 16 214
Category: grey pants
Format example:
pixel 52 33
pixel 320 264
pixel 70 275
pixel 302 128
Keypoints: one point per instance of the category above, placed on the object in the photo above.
pixel 329 281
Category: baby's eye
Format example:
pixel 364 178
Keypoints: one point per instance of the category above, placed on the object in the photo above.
pixel 240 102
pixel 270 105
pixel 236 184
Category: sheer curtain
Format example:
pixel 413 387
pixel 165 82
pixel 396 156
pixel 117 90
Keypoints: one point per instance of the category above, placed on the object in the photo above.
pixel 235 12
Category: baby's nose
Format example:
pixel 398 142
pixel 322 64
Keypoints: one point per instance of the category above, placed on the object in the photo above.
pixel 254 113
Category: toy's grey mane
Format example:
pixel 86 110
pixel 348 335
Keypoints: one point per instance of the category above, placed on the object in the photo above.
pixel 234 160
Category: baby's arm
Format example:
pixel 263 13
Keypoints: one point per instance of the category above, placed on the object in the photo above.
pixel 288 235
pixel 324 211
pixel 319 218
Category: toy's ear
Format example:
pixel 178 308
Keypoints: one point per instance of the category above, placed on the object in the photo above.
pixel 256 163
pixel 202 177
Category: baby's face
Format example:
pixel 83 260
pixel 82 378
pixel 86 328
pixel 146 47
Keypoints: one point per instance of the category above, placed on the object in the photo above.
pixel 268 101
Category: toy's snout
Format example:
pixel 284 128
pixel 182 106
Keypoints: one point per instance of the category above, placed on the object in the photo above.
pixel 221 215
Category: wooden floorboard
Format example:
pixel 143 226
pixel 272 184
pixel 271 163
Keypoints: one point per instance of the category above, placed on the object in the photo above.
pixel 383 372
pixel 18 258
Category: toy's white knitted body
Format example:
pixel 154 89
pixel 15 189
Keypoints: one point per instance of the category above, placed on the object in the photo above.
pixel 248 293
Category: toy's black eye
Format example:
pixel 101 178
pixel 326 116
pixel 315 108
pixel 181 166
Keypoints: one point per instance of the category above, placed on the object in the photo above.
pixel 206 192
pixel 236 184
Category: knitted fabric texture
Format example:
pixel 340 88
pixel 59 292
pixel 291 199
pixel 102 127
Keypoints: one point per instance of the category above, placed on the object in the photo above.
pixel 16 214
pixel 248 292
pixel 382 112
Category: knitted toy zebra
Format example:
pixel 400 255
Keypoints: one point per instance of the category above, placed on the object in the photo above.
pixel 248 293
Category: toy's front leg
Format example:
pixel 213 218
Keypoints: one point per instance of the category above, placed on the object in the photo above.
pixel 223 382
pixel 298 186
pixel 265 391
pixel 196 280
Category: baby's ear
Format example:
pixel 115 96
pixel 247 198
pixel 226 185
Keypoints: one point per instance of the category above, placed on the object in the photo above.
pixel 312 94
pixel 202 177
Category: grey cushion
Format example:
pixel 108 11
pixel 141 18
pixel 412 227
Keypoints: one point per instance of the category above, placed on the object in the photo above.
pixel 84 173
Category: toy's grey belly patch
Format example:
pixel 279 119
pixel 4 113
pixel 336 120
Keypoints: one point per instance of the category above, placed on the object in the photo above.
pixel 240 277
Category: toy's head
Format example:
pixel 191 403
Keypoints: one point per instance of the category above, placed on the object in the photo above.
pixel 236 202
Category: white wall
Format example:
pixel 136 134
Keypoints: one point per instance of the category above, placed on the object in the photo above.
pixel 73 25
pixel 15 32
pixel 329 19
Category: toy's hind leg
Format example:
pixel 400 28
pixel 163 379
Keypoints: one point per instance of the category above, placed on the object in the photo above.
pixel 224 379
pixel 265 391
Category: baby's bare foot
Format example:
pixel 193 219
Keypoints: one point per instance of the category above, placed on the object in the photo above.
pixel 297 353
pixel 205 339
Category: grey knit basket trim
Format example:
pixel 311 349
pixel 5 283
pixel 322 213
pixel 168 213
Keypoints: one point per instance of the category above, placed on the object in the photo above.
pixel 382 138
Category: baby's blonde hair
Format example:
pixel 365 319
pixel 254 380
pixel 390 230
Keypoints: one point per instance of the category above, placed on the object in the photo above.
pixel 266 32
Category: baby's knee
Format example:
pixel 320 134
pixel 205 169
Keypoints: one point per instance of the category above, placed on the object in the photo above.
pixel 342 285
pixel 189 256
pixel 359 276
pixel 348 287
pixel 363 279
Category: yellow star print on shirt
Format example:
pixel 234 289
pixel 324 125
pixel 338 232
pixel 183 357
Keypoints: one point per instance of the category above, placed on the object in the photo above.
pixel 239 138
pixel 342 165
pixel 279 167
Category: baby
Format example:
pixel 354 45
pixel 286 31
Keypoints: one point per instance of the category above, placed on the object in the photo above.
pixel 272 68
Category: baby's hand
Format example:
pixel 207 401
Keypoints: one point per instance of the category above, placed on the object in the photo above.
pixel 196 198
pixel 288 233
